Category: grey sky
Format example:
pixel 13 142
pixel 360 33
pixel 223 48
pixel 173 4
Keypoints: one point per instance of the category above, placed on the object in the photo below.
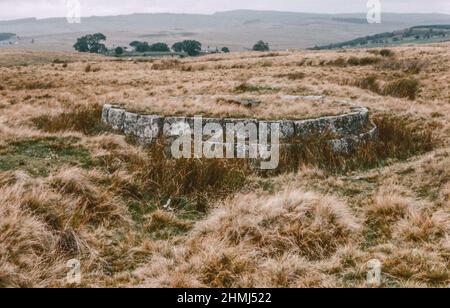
pixel 11 9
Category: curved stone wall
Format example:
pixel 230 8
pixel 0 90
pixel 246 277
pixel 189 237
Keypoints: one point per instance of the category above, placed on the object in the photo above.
pixel 351 128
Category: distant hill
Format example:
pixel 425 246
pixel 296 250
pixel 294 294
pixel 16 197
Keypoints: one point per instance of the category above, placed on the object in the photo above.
pixel 235 29
pixel 6 36
pixel 417 34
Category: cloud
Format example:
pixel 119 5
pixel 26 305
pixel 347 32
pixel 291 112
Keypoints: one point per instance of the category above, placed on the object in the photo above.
pixel 10 9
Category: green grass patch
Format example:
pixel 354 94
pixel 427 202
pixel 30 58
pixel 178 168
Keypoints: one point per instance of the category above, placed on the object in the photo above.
pixel 39 157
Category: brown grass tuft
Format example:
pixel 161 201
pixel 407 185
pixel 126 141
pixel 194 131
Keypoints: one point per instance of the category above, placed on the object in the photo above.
pixel 386 209
pixel 187 182
pixel 85 119
pixel 421 227
pixel 403 88
pixel 166 65
pixel 292 76
pixel 369 83
pixel 247 240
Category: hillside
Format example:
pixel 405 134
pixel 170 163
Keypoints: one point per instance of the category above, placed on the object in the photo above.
pixel 73 188
pixel 236 29
pixel 6 36
pixel 416 35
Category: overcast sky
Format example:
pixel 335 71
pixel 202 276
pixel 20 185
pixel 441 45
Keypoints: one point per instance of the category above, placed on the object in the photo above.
pixel 12 9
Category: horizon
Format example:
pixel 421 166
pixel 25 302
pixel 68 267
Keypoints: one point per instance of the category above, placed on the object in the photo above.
pixel 225 11
pixel 45 9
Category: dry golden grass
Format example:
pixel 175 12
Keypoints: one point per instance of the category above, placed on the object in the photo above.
pixel 70 188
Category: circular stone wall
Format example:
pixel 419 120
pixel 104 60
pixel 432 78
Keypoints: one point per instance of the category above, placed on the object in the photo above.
pixel 349 129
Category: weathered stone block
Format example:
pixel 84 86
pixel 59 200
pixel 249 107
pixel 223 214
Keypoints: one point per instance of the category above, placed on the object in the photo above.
pixel 130 123
pixel 243 129
pixel 105 112
pixel 176 126
pixel 148 128
pixel 286 128
pixel 116 118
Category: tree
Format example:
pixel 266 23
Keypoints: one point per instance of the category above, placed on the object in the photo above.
pixel 91 43
pixel 225 50
pixel 140 46
pixel 192 48
pixel 159 47
pixel 134 43
pixel 119 51
pixel 177 47
pixel 261 46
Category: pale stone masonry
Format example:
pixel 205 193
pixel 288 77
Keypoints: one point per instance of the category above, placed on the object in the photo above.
pixel 351 128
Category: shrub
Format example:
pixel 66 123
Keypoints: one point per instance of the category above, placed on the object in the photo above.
pixel 403 88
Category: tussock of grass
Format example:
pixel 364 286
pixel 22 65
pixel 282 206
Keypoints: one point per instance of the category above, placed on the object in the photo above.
pixel 292 76
pixel 369 83
pixel 423 227
pixel 417 265
pixel 245 87
pixel 166 65
pixel 383 52
pixel 385 210
pixel 363 61
pixel 85 119
pixel 409 66
pixel 398 138
pixel 184 181
pixel 403 88
pixel 354 61
pixel 163 225
pixel 34 85
pixel 193 68
pixel 233 246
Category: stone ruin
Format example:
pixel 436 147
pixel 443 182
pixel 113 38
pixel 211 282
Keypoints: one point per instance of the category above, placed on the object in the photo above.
pixel 349 129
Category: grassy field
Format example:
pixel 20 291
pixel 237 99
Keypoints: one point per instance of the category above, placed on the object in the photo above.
pixel 71 188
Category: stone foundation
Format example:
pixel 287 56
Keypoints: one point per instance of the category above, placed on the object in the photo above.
pixel 350 129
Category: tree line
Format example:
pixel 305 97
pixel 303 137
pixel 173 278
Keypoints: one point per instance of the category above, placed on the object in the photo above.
pixel 94 43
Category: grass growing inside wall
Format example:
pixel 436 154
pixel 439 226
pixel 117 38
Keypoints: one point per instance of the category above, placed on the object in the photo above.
pixel 398 139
